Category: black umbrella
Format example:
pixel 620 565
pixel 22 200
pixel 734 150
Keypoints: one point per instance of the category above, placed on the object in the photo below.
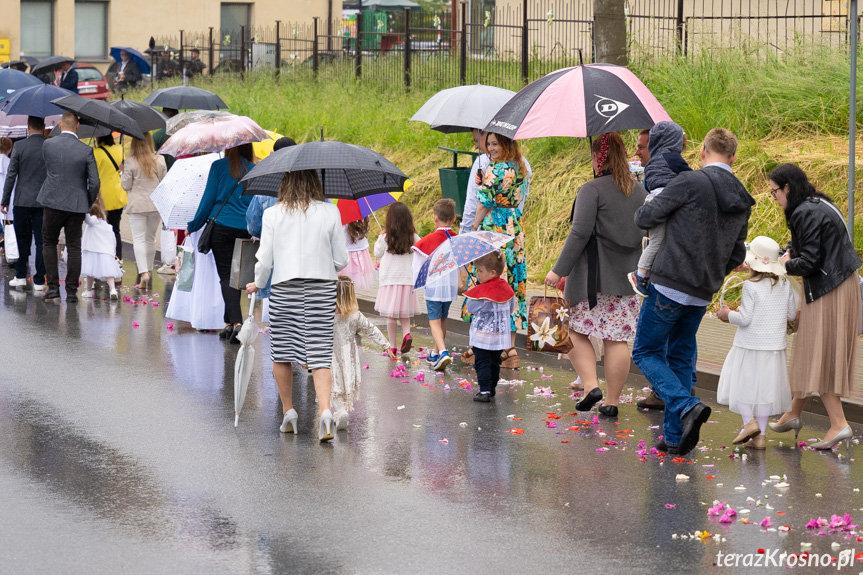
pixel 185 98
pixel 12 80
pixel 85 132
pixel 19 65
pixel 147 117
pixel 99 113
pixel 50 64
pixel 347 171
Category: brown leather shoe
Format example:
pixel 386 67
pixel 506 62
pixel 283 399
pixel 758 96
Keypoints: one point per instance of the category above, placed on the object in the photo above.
pixel 652 401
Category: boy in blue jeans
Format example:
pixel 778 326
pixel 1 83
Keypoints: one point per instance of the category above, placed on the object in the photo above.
pixel 491 303
pixel 442 292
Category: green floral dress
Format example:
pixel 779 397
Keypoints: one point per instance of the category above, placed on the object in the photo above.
pixel 501 189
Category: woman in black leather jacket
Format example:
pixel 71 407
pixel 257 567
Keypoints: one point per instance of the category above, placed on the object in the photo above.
pixel 821 253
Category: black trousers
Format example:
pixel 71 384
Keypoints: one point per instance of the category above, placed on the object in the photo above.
pixel 28 225
pixel 113 218
pixel 487 365
pixel 223 252
pixel 52 222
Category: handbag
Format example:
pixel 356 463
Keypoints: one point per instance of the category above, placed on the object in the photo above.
pixel 205 241
pixel 243 263
pixel 10 242
pixel 186 276
pixel 546 324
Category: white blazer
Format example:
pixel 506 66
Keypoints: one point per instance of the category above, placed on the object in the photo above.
pixel 301 245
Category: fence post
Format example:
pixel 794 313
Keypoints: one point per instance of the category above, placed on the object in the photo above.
pixel 315 49
pixel 278 48
pixel 358 66
pixel 211 51
pixel 182 68
pixel 679 26
pixel 242 49
pixel 407 48
pixel 524 66
pixel 686 37
pixel 463 55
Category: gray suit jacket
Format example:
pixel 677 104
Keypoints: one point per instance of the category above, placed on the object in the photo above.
pixel 27 167
pixel 72 183
pixel 602 208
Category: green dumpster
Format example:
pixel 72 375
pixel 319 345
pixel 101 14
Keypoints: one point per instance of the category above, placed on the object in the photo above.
pixel 454 180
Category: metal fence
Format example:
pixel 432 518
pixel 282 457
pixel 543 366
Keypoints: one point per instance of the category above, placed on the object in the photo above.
pixel 506 46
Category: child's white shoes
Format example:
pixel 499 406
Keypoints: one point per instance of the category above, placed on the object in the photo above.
pixel 341 420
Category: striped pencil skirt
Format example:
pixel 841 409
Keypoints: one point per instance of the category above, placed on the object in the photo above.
pixel 302 313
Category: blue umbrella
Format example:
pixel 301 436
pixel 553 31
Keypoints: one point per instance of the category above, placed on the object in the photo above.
pixel 35 101
pixel 134 55
pixel 12 80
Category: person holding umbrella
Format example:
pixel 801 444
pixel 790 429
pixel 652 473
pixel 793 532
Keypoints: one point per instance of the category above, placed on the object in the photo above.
pixel 302 310
pixel 223 202
pixel 129 74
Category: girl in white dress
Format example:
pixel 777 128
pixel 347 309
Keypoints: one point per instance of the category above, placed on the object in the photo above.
pixel 98 251
pixel 346 360
pixel 754 379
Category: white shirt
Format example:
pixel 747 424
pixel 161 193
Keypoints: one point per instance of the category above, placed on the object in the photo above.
pixel 361 245
pixel 764 312
pixel 395 269
pixel 301 245
pixel 4 169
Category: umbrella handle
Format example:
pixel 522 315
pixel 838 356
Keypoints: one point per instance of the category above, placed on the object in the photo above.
pixel 252 297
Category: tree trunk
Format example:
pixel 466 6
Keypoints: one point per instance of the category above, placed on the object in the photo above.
pixel 609 31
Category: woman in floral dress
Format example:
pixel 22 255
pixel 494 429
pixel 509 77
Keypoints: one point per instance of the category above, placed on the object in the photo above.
pixel 500 194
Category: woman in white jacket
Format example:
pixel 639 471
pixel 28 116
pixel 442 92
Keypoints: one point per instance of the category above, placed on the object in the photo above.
pixel 311 250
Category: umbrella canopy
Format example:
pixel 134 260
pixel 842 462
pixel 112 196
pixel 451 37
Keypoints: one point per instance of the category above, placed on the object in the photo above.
pixel 185 98
pixel 457 251
pixel 245 360
pixel 85 131
pixel 213 135
pixel 178 194
pixel 355 210
pixel 35 101
pixel 20 65
pixel 50 64
pixel 14 80
pixel 15 126
pixel 579 102
pixel 147 117
pixel 347 171
pixel 99 113
pixel 183 119
pixel 142 61
pixel 462 108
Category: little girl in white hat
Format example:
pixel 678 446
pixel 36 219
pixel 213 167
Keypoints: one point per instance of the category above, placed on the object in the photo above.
pixel 754 378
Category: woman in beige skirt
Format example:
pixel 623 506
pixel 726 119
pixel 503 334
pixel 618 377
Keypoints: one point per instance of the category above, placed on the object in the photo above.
pixel 821 253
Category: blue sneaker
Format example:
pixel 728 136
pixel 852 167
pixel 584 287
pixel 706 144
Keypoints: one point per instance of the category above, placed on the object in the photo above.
pixel 431 358
pixel 443 360
pixel 638 282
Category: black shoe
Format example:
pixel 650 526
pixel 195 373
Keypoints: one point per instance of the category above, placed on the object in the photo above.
pixel 482 397
pixel 71 298
pixel 692 422
pixel 589 400
pixel 662 446
pixel 226 332
pixel 51 295
pixel 235 333
pixel 608 410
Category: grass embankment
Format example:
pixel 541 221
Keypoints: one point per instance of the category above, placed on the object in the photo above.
pixel 788 109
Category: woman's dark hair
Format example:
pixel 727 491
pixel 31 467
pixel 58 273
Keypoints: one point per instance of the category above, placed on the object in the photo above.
pixel 235 158
pixel 400 230
pixel 107 140
pixel 799 187
pixel 357 230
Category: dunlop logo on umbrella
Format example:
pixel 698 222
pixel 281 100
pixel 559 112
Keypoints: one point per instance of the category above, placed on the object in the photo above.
pixel 505 125
pixel 608 108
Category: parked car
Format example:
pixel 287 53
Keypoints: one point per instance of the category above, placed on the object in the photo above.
pixel 91 83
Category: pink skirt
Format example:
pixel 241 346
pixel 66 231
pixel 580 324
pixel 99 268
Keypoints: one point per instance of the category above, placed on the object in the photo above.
pixel 360 269
pixel 396 301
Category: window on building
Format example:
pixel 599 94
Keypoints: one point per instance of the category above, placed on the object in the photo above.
pixel 234 16
pixel 37 28
pixel 91 30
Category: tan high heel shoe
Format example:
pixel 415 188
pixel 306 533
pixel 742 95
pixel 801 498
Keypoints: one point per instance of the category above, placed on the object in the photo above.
pixel 846 434
pixel 144 285
pixel 749 431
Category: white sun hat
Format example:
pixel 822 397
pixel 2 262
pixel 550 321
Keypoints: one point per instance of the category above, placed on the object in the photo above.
pixel 762 255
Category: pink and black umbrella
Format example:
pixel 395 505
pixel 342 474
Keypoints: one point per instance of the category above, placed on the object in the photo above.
pixel 579 102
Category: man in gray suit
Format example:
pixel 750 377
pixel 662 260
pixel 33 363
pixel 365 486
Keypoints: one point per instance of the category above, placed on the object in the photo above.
pixel 25 176
pixel 70 188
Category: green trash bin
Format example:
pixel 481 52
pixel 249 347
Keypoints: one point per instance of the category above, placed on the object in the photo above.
pixel 454 180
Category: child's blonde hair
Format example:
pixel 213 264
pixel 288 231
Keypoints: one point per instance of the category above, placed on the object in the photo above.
pixel 97 210
pixel 346 297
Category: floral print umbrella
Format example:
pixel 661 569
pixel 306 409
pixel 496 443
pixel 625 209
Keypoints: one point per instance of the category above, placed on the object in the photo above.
pixel 213 135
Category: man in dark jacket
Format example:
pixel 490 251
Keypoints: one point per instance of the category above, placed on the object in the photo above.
pixel 71 186
pixel 69 77
pixel 25 176
pixel 706 213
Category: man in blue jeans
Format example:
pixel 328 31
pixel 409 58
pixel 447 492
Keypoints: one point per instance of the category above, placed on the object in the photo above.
pixel 706 213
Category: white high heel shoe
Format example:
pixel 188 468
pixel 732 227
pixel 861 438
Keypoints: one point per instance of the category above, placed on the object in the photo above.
pixel 325 430
pixel 289 423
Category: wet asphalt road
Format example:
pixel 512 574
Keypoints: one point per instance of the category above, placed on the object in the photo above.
pixel 118 452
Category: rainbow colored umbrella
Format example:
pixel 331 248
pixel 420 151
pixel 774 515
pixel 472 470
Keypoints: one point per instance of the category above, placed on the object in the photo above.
pixel 355 210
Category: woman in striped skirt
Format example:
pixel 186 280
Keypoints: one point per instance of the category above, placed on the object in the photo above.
pixel 302 242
